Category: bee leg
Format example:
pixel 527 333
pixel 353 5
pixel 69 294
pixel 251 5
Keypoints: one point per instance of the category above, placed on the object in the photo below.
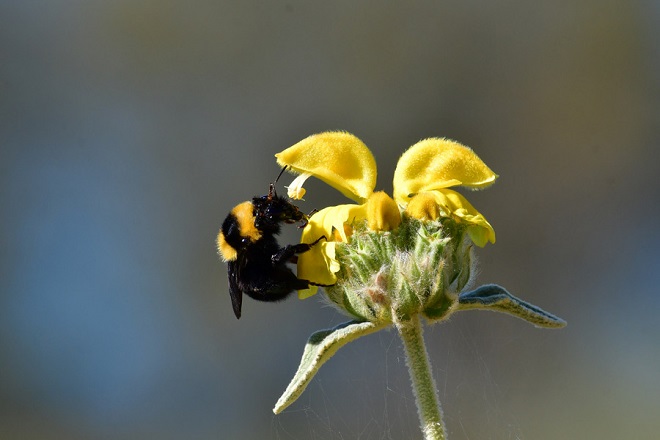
pixel 311 283
pixel 286 253
pixel 306 219
pixel 322 237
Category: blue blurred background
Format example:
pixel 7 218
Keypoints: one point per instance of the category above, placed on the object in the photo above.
pixel 128 129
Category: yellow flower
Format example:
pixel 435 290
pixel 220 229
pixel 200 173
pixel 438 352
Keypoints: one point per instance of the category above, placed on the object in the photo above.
pixel 421 179
pixel 424 173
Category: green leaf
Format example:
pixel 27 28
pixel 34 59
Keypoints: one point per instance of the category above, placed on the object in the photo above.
pixel 496 298
pixel 320 347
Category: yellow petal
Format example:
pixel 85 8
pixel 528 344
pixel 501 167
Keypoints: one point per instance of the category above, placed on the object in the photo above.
pixel 451 204
pixel 481 235
pixel 338 158
pixel 319 265
pixel 382 212
pixel 332 220
pixel 346 215
pixel 479 229
pixel 423 206
pixel 434 164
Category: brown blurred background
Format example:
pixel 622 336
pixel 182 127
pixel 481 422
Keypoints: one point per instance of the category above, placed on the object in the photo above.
pixel 128 129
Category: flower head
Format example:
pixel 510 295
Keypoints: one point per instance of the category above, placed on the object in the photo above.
pixel 421 179
pixel 389 260
pixel 426 171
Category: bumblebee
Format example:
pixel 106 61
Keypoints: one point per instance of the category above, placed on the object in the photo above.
pixel 256 264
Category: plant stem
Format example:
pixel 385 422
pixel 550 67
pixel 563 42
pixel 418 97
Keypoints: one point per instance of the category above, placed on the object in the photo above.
pixel 419 367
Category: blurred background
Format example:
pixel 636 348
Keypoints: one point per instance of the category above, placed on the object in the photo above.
pixel 129 129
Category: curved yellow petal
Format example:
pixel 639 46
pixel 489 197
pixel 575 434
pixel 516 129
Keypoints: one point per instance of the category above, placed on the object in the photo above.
pixel 479 229
pixel 449 203
pixel 382 212
pixel 436 163
pixel 347 215
pixel 423 206
pixel 338 158
pixel 480 234
pixel 319 265
pixel 314 265
pixel 311 291
pixel 331 221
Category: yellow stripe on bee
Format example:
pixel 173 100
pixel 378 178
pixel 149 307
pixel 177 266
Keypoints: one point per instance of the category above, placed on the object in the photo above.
pixel 226 251
pixel 244 214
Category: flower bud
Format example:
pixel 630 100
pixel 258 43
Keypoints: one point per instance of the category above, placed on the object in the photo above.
pixel 387 277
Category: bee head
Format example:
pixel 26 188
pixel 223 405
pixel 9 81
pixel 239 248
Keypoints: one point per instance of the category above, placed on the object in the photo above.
pixel 271 210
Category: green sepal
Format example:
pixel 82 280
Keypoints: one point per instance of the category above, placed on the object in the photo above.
pixel 320 347
pixel 442 308
pixel 496 298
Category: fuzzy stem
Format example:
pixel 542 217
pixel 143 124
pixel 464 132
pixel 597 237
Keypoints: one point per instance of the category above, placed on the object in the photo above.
pixel 419 367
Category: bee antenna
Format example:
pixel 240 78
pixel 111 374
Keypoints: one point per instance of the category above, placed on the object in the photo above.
pixel 281 172
pixel 271 192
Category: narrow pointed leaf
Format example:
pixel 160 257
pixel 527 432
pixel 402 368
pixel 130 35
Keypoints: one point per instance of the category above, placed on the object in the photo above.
pixel 320 347
pixel 496 298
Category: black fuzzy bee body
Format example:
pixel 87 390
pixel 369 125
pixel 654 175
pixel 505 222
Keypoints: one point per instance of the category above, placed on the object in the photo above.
pixel 256 264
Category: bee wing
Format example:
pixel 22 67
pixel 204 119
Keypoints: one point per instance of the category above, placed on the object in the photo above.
pixel 236 294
